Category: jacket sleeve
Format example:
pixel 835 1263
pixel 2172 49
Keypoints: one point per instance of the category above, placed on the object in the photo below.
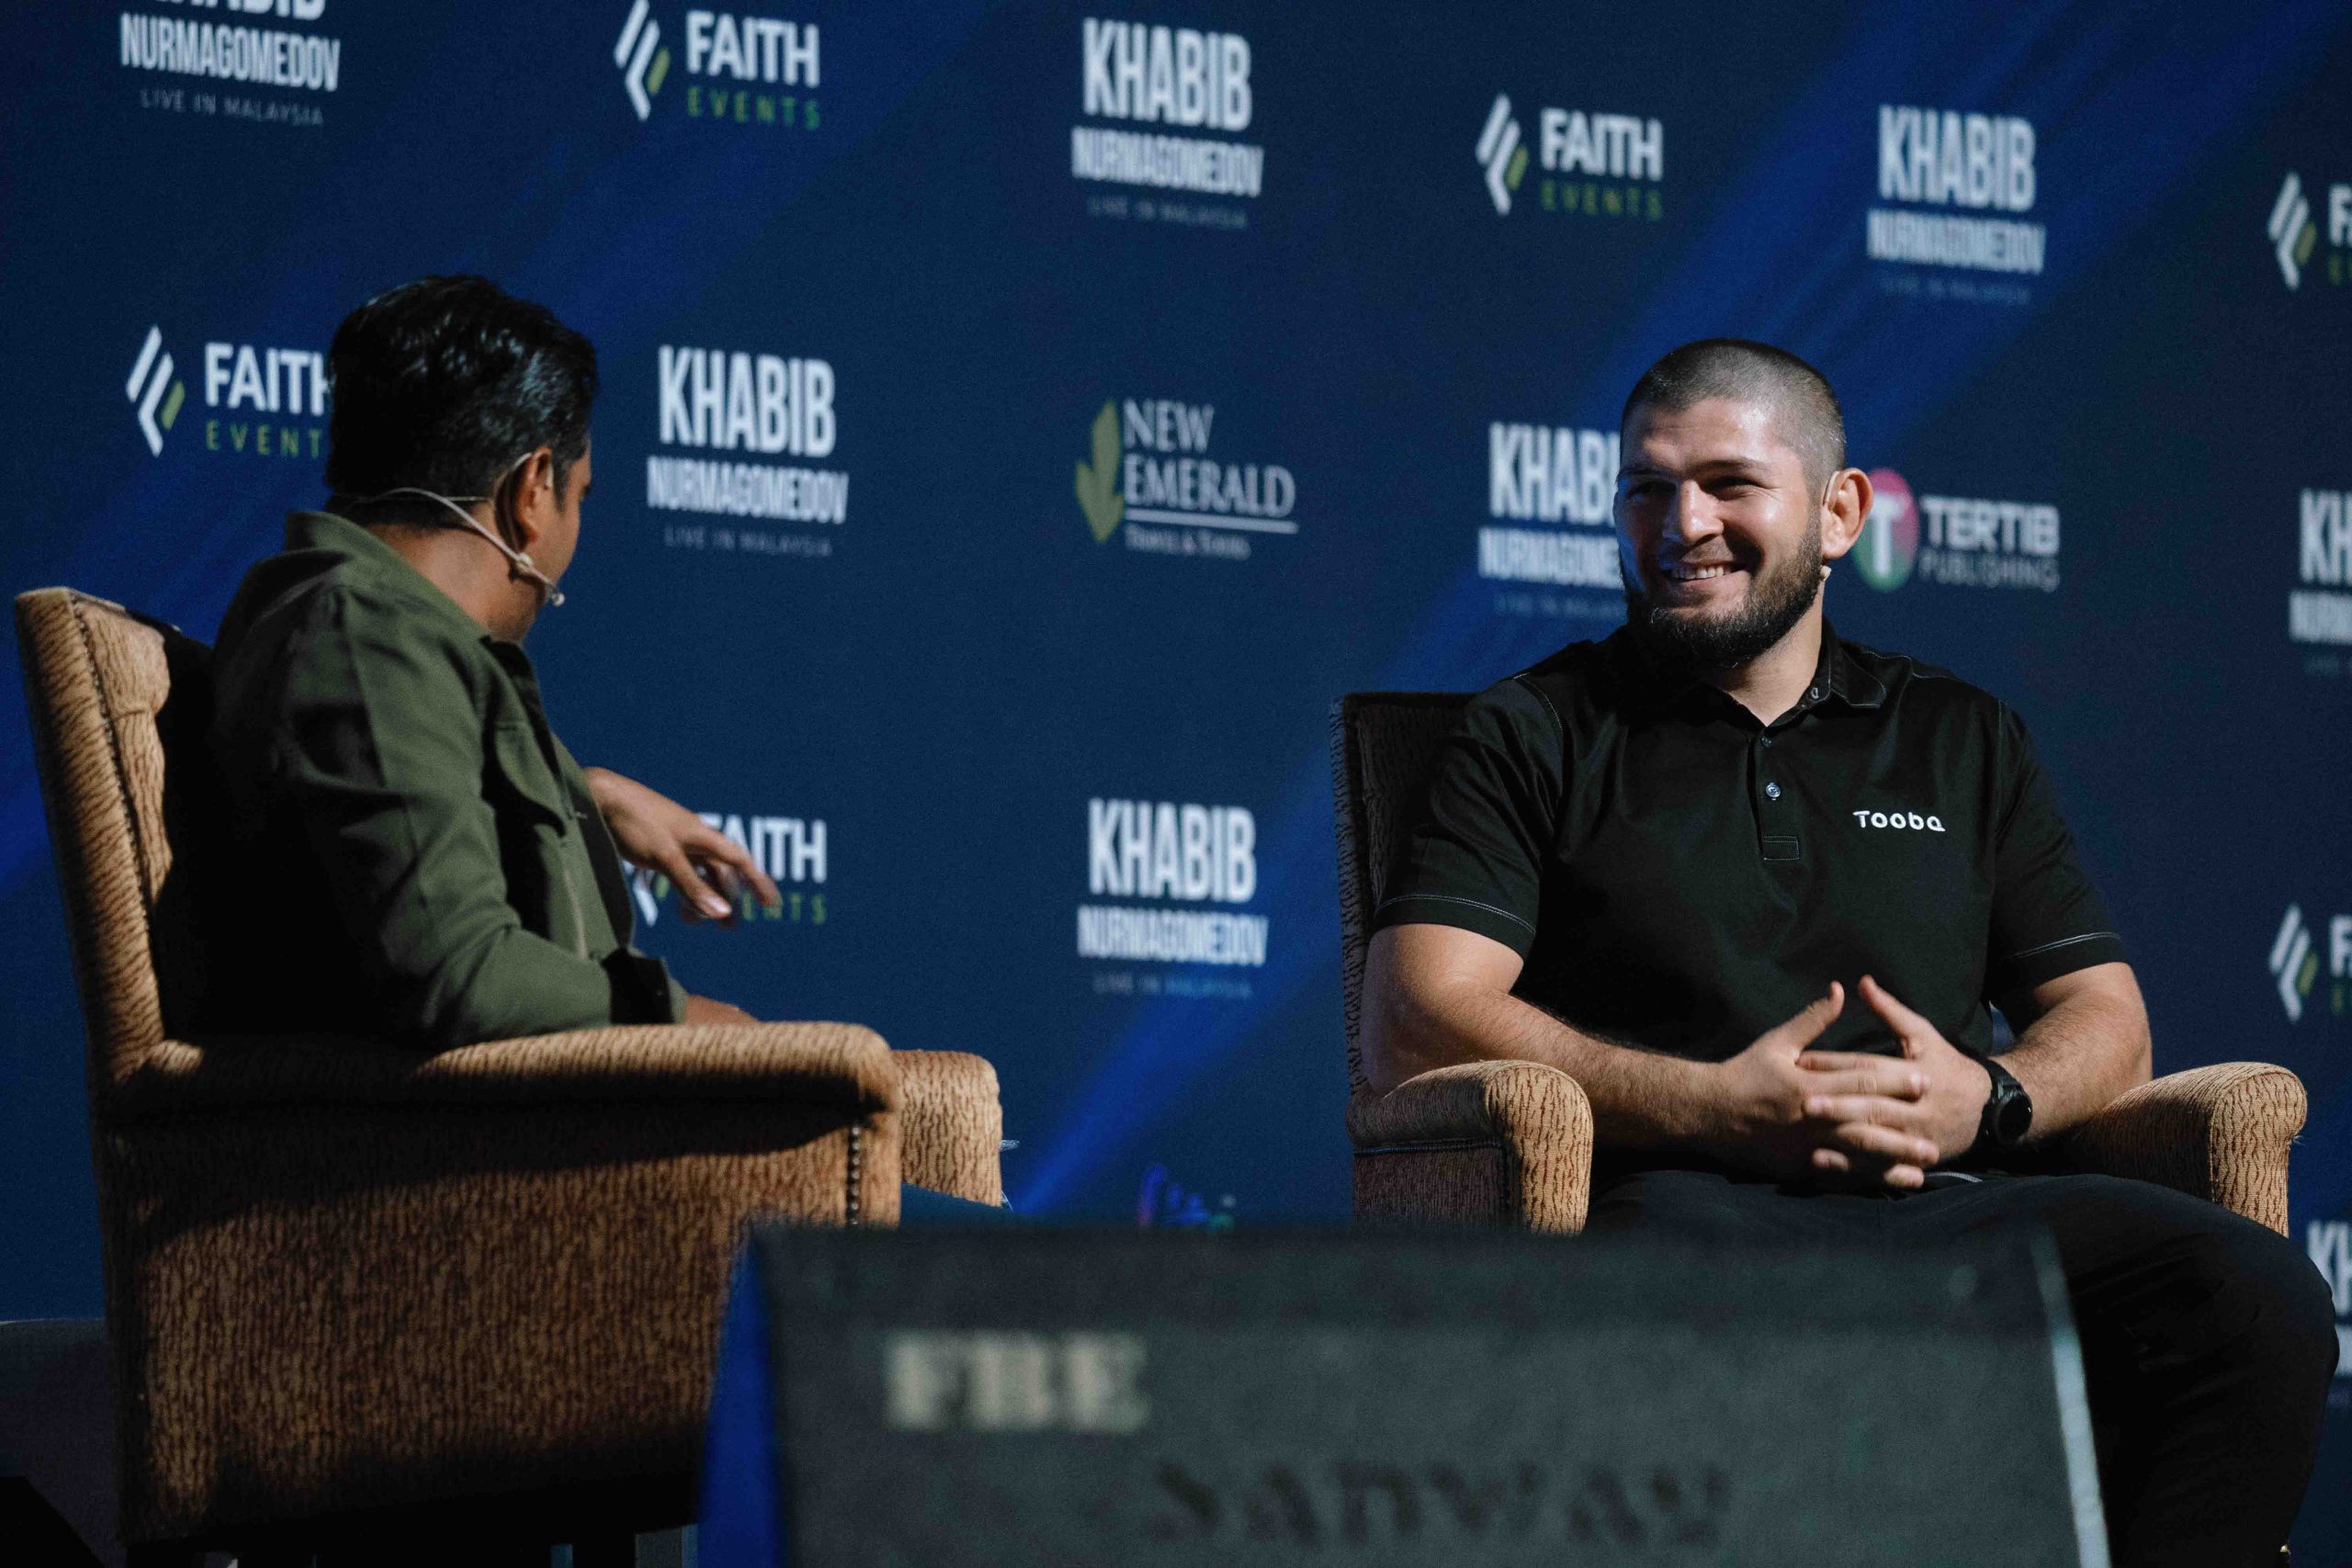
pixel 378 752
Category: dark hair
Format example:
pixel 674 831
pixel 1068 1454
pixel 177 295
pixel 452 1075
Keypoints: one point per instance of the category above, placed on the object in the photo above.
pixel 445 383
pixel 1743 371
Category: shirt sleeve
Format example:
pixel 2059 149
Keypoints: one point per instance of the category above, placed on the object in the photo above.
pixel 1473 855
pixel 378 754
pixel 2047 919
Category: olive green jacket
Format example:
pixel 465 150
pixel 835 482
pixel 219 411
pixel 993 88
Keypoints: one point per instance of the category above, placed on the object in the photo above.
pixel 418 855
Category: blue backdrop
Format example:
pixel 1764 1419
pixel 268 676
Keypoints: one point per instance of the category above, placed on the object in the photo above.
pixel 1020 418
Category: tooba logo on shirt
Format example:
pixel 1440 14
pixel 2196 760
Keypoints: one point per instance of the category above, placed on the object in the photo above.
pixel 1905 821
pixel 1967 543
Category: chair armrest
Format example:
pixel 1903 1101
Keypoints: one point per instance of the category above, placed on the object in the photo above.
pixel 2218 1133
pixel 832 1063
pixel 951 1126
pixel 1536 1117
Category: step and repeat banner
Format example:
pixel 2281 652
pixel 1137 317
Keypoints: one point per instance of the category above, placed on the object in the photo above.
pixel 1020 420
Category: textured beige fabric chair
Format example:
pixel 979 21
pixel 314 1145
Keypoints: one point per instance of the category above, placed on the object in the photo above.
pixel 342 1277
pixel 1511 1143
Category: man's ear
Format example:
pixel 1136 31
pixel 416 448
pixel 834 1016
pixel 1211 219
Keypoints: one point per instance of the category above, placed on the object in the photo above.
pixel 1845 508
pixel 531 499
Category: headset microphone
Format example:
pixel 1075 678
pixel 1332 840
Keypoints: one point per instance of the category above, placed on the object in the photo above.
pixel 525 567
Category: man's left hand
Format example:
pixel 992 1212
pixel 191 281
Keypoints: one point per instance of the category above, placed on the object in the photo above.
pixel 1947 1114
pixel 655 831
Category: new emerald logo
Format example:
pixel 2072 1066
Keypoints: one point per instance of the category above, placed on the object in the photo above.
pixel 153 392
pixel 1099 495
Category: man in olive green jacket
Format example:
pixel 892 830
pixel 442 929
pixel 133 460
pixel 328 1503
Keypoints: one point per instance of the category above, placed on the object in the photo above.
pixel 425 860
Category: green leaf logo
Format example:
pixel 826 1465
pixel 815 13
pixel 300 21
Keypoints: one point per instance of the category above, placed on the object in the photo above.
pixel 1098 484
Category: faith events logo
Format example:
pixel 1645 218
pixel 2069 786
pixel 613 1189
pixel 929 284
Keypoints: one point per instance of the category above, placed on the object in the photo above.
pixel 153 392
pixel 2296 968
pixel 1148 476
pixel 1969 543
pixel 259 402
pixel 1559 476
pixel 763 405
pixel 791 850
pixel 240 55
pixel 2295 234
pixel 1592 164
pixel 740 70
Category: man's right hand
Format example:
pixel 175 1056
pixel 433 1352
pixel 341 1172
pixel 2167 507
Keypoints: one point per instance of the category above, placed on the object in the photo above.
pixel 1758 1119
pixel 707 1009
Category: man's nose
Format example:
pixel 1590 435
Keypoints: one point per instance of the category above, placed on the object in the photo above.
pixel 1691 519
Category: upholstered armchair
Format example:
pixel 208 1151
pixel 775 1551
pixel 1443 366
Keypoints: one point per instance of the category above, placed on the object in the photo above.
pixel 350 1281
pixel 1511 1143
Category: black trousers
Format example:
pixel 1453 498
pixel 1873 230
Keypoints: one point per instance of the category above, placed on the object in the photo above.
pixel 2208 1341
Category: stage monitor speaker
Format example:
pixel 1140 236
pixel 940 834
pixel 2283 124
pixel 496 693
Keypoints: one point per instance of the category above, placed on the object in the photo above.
pixel 1066 1397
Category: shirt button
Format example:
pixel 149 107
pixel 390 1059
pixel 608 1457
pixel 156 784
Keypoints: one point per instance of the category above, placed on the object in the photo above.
pixel 1764 740
pixel 1814 693
pixel 1772 792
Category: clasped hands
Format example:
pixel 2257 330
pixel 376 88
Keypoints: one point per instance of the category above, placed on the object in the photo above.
pixel 1843 1119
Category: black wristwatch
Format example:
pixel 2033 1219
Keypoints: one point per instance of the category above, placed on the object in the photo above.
pixel 2009 1111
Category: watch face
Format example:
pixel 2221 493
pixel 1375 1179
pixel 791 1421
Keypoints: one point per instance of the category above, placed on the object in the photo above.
pixel 2013 1118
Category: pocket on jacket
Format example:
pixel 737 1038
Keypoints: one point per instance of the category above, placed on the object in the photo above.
pixel 516 761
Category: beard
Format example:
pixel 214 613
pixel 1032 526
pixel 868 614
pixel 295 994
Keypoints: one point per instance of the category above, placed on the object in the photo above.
pixel 1690 640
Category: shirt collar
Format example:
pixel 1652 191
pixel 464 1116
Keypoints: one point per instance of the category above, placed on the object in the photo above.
pixel 1837 675
pixel 1842 675
pixel 361 551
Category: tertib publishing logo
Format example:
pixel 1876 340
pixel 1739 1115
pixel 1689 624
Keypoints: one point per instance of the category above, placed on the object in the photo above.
pixel 259 402
pixel 1969 542
pixel 1149 473
pixel 1591 165
pixel 740 70
pixel 1890 541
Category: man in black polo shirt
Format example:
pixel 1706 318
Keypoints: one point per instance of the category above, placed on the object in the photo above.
pixel 1754 888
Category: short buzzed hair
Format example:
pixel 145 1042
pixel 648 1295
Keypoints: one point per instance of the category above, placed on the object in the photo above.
pixel 1746 372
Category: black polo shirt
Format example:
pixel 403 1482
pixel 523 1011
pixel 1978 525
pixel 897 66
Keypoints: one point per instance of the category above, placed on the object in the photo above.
pixel 1680 877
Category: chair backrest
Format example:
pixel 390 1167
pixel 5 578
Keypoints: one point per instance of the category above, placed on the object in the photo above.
pixel 1384 747
pixel 113 698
